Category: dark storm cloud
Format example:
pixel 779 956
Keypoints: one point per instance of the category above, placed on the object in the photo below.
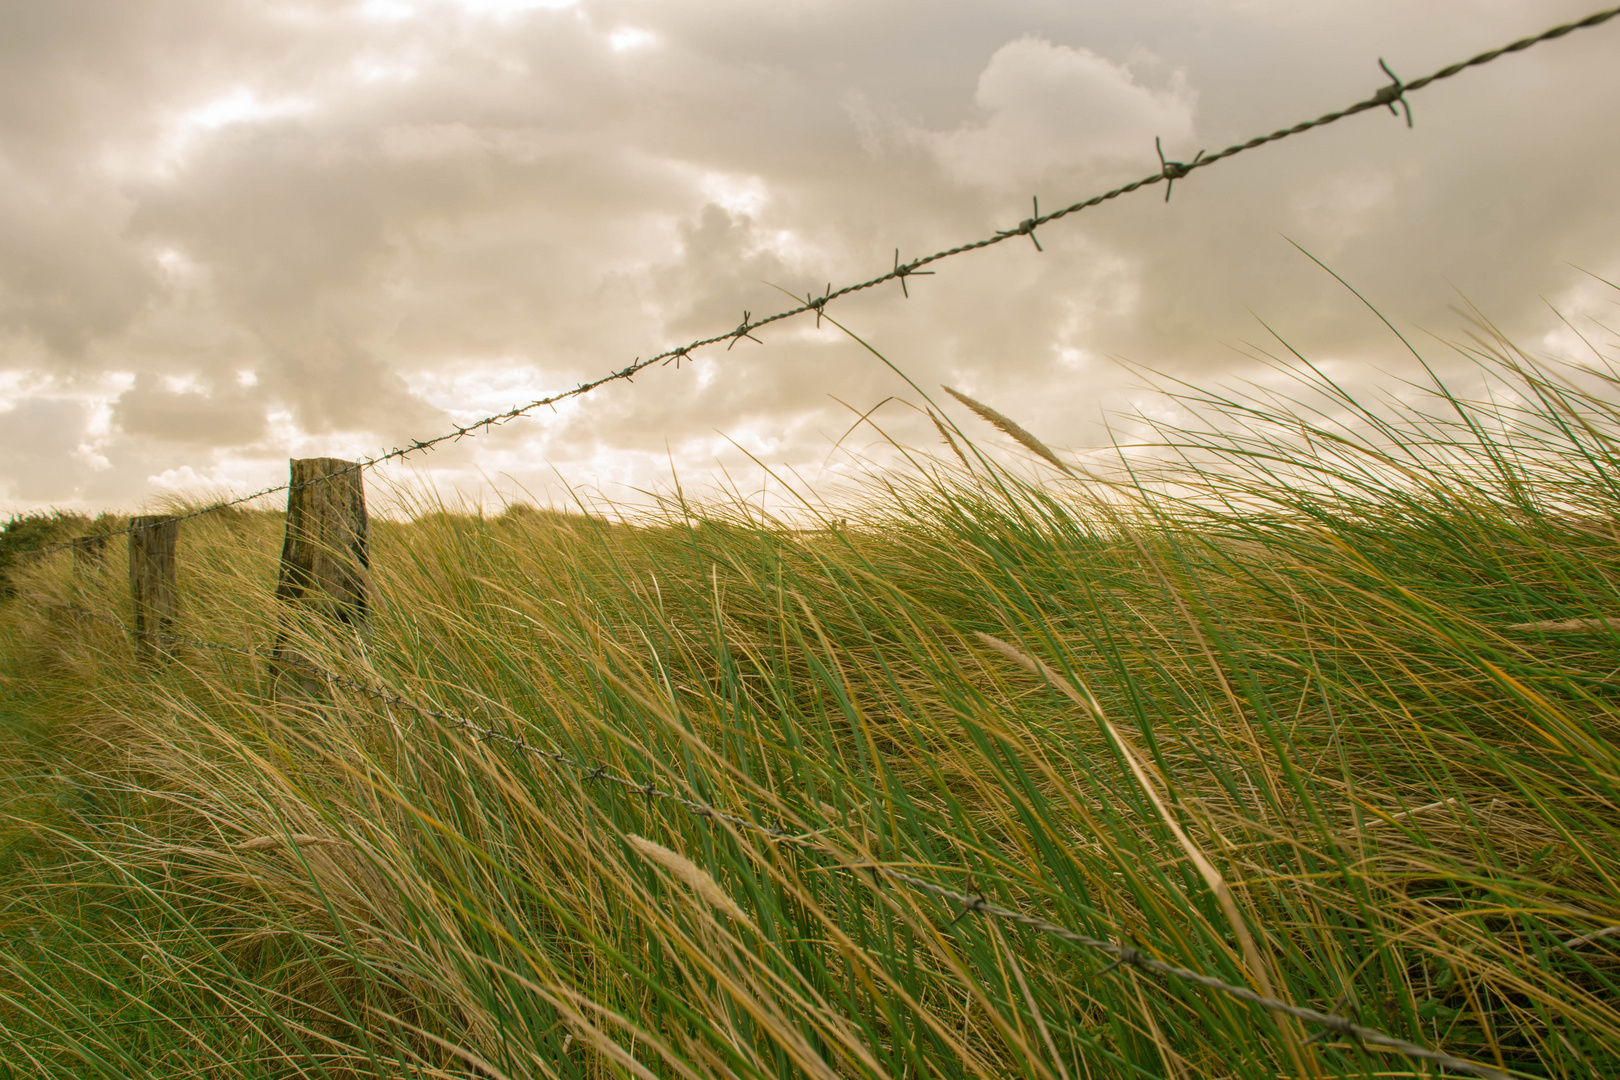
pixel 232 231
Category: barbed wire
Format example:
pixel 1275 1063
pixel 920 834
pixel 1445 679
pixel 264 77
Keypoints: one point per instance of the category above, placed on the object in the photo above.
pixel 1169 172
pixel 1123 955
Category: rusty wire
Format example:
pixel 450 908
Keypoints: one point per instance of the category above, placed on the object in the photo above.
pixel 1387 96
pixel 1123 955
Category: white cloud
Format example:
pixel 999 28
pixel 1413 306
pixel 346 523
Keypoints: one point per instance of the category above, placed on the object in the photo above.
pixel 627 38
pixel 182 384
pixel 239 107
pixel 1053 111
pixel 736 193
pixel 472 389
pixel 173 261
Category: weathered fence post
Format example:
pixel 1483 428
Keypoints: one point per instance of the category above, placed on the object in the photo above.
pixel 153 582
pixel 325 558
pixel 89 552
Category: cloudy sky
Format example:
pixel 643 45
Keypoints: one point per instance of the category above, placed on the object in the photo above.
pixel 234 231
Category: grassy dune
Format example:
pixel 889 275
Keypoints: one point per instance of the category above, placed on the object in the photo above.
pixel 1365 785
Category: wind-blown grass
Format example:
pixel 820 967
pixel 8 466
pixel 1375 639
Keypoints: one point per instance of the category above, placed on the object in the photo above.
pixel 1329 761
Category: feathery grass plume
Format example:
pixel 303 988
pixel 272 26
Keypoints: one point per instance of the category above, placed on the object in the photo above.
pixel 945 434
pixel 1008 426
pixel 1596 624
pixel 696 878
pixel 266 843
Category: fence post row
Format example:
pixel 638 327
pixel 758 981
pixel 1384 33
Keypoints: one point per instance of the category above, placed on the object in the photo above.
pixel 153 583
pixel 325 558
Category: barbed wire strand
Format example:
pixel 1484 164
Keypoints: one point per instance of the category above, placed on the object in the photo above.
pixel 1169 171
pixel 1124 955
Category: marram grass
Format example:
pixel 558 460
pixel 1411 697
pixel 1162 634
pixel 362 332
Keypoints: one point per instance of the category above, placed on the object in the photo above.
pixel 1333 758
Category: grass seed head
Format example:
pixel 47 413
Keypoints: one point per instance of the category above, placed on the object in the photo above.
pixel 694 876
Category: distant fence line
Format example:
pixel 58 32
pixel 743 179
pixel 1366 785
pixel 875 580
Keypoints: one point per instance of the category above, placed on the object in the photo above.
pixel 1388 96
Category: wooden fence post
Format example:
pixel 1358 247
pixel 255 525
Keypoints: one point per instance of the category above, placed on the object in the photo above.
pixel 89 552
pixel 89 558
pixel 153 582
pixel 325 562
pixel 325 559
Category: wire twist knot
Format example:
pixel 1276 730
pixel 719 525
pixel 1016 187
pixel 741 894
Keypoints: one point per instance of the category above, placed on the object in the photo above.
pixel 742 331
pixel 1334 1024
pixel 1174 170
pixel 1127 954
pixel 816 303
pixel 1395 91
pixel 970 904
pixel 1028 225
pixel 905 270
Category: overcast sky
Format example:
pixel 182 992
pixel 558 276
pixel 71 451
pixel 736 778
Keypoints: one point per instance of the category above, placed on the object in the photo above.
pixel 234 231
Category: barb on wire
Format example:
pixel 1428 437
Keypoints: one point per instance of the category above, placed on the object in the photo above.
pixel 742 332
pixel 1027 226
pixel 973 905
pixel 1132 955
pixel 1173 170
pixel 1395 91
pixel 1127 955
pixel 1169 172
pixel 816 303
pixel 1344 1027
pixel 900 271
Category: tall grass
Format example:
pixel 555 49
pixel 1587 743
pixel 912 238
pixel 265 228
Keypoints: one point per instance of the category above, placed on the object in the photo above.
pixel 1339 758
